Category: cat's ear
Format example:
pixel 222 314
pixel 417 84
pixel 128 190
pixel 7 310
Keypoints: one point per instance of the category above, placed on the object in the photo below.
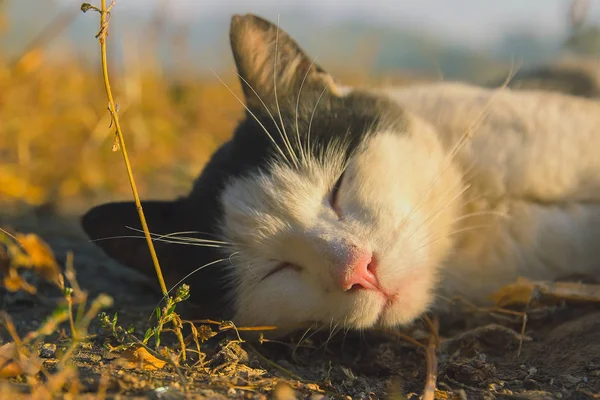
pixel 268 60
pixel 109 226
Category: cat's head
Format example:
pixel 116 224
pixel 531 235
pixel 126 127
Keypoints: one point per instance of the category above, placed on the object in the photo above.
pixel 334 205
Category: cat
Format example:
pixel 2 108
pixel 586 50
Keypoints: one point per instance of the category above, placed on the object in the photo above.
pixel 366 207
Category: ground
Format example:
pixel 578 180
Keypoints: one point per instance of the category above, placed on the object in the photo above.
pixel 478 353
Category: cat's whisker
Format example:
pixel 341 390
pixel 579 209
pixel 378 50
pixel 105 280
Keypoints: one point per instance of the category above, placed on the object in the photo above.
pixel 232 256
pixel 443 234
pixel 187 276
pixel 312 116
pixel 318 328
pixel 285 137
pixel 332 333
pixel 282 134
pixel 337 329
pixel 442 197
pixel 480 214
pixel 197 270
pixel 302 338
pixel 436 213
pixel 174 235
pixel 254 117
pixel 428 188
pixel 184 243
pixel 463 140
pixel 301 148
pixel 188 239
pixel 346 329
pixel 331 327
pixel 464 217
pixel 452 233
pixel 468 135
pixel 157 239
pixel 446 164
pixel 431 218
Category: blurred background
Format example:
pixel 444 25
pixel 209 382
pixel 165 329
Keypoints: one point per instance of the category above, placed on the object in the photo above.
pixel 55 135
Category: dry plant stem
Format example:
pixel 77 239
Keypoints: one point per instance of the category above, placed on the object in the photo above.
pixel 431 359
pixel 103 386
pixel 275 365
pixel 404 337
pixel 104 12
pixel 71 320
pixel 505 311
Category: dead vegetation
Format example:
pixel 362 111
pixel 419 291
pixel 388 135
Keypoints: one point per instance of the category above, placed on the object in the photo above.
pixel 470 353
pixel 541 341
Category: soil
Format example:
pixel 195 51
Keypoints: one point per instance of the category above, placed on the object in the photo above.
pixel 478 357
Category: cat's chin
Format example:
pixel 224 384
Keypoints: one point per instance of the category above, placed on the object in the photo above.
pixel 370 310
pixel 385 318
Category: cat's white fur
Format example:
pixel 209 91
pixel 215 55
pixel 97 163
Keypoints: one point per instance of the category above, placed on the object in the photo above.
pixel 521 197
pixel 534 159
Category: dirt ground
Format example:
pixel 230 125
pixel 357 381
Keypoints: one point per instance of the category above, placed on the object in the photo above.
pixel 478 355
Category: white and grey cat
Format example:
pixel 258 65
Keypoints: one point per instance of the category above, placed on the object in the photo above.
pixel 360 207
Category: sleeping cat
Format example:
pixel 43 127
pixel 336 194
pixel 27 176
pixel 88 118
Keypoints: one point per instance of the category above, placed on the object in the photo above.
pixel 363 207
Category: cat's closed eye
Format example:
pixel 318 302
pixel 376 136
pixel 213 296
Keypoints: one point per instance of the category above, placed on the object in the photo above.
pixel 333 197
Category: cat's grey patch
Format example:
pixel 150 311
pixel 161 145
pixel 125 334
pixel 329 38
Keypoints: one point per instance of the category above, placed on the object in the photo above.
pixel 555 78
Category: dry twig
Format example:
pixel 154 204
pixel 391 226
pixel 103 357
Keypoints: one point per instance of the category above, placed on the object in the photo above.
pixel 431 358
pixel 120 139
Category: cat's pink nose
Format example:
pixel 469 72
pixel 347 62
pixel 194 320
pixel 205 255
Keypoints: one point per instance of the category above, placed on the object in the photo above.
pixel 360 273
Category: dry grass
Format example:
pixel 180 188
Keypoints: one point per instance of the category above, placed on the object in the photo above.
pixel 55 140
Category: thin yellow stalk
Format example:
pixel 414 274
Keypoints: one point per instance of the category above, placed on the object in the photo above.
pixel 104 18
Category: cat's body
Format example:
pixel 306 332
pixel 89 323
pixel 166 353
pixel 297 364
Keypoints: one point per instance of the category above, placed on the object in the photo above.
pixel 357 208
pixel 533 179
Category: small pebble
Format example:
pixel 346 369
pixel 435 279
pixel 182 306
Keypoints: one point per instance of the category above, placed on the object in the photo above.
pixel 283 391
pixel 95 357
pixel 48 350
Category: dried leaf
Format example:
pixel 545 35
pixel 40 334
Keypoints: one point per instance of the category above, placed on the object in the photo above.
pixel 204 332
pixel 524 291
pixel 30 61
pixel 41 257
pixel 521 292
pixel 116 144
pixel 64 380
pixel 569 291
pixel 26 251
pixel 14 282
pixel 13 363
pixel 140 358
